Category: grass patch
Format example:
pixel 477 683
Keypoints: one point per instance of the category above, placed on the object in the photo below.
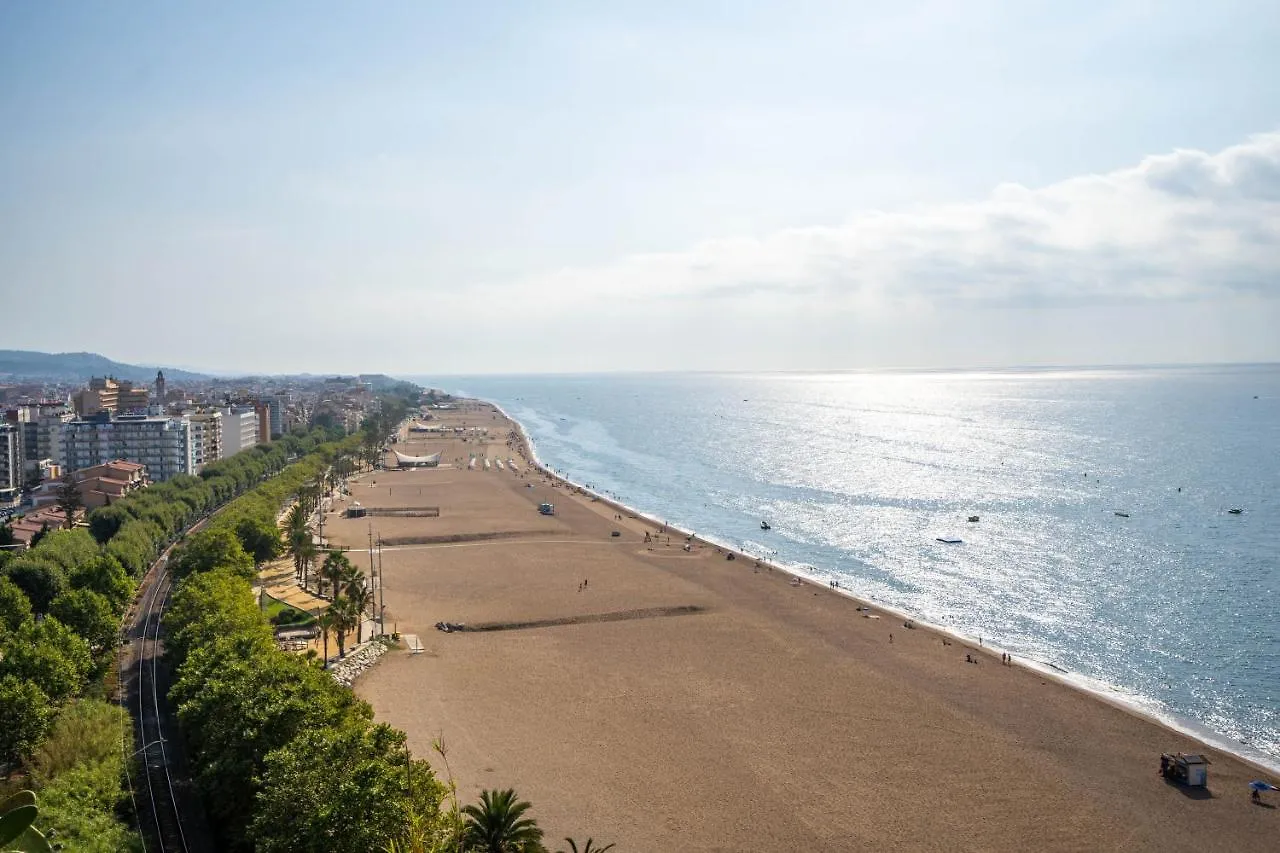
pixel 282 615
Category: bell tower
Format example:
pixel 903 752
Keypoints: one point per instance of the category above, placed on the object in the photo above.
pixel 160 388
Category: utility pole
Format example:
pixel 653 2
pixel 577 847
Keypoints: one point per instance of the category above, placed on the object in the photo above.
pixel 371 576
pixel 382 607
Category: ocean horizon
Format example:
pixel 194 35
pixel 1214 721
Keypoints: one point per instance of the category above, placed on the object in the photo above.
pixel 1105 549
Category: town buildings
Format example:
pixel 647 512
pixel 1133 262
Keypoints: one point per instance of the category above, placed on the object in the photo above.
pixel 163 444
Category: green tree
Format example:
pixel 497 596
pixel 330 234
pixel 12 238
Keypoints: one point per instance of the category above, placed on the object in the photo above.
pixel 79 769
pixel 210 605
pixel 90 615
pixel 341 788
pixel 15 609
pixel 212 549
pixel 6 534
pixel 335 571
pixel 38 578
pixel 242 710
pixel 360 597
pixel 298 539
pixel 69 499
pixel 39 534
pixel 259 537
pixel 67 548
pixel 107 577
pixel 135 545
pixel 106 521
pixel 26 713
pixel 51 656
pixel 325 622
pixel 497 824
pixel 345 619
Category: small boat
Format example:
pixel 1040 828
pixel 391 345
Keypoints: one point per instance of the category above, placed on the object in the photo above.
pixel 947 540
pixel 973 519
pixel 1235 511
pixel 1122 514
pixel 764 525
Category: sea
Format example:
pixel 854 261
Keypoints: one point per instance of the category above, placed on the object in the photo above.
pixel 1104 552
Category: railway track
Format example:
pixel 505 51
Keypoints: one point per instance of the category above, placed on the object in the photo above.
pixel 156 801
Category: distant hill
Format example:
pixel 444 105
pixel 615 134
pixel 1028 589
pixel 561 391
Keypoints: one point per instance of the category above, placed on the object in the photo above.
pixel 79 366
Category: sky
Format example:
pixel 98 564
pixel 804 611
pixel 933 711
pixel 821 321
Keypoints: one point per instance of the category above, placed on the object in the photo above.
pixel 430 188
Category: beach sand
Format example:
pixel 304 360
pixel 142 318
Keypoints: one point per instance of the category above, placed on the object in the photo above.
pixel 683 701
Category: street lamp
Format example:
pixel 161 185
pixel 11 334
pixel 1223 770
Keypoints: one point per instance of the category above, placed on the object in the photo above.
pixel 147 746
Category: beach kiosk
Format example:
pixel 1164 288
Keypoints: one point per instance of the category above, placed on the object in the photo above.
pixel 1184 768
pixel 355 510
pixel 546 509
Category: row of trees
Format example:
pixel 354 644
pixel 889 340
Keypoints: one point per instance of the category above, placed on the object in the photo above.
pixel 286 758
pixel 60 608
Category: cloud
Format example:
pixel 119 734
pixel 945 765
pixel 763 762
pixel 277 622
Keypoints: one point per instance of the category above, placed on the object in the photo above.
pixel 1182 226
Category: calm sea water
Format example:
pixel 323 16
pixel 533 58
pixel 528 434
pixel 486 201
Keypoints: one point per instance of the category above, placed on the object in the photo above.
pixel 1175 608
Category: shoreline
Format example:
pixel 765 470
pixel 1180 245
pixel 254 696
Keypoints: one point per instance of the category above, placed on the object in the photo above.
pixel 1098 689
pixel 818 729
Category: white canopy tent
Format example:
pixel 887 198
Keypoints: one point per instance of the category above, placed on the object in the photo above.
pixel 406 461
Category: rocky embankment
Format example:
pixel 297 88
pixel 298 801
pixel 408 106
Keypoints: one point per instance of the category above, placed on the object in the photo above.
pixel 359 659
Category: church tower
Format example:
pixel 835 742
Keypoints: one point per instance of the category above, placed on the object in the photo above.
pixel 160 389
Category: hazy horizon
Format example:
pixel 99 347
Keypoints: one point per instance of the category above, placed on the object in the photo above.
pixel 642 188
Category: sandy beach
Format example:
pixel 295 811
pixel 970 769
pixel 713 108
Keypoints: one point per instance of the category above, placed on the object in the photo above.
pixel 672 699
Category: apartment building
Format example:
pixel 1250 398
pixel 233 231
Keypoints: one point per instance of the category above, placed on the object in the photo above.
pixel 162 444
pixel 99 485
pixel 105 394
pixel 239 429
pixel 11 462
pixel 41 426
pixel 206 439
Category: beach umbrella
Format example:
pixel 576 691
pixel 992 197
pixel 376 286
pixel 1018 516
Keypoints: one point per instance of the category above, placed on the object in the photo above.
pixel 1259 785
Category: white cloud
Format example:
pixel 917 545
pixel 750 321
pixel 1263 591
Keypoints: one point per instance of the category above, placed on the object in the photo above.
pixel 1182 226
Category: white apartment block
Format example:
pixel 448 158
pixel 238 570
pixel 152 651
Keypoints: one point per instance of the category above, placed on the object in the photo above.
pixel 10 461
pixel 162 444
pixel 239 430
pixel 206 439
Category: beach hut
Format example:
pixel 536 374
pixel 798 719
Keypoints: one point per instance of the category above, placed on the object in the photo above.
pixel 1187 769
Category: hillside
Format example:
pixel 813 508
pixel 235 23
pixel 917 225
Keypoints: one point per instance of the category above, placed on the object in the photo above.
pixel 79 366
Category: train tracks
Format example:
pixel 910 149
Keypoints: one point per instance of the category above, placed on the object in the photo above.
pixel 161 816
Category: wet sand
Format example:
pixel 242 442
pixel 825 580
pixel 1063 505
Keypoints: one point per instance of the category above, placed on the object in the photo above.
pixel 682 701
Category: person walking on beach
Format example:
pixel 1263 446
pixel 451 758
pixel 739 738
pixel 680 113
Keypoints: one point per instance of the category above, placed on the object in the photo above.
pixel 891 639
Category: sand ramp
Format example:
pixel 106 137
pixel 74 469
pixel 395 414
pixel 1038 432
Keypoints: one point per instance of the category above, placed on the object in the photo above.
pixel 615 616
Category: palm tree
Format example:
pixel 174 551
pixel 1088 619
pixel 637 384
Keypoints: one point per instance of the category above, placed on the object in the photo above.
pixel 297 537
pixel 335 571
pixel 307 554
pixel 498 825
pixel 345 618
pixel 573 847
pixel 361 597
pixel 325 623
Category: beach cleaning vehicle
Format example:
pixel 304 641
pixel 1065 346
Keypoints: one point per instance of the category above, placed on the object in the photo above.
pixel 1184 768
pixel 547 509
